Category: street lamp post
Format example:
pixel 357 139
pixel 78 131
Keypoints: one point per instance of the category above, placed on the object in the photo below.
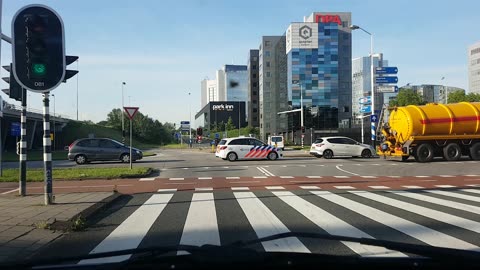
pixel 372 81
pixel 121 111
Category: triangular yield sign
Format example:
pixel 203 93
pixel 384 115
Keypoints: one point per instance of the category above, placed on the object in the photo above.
pixel 131 111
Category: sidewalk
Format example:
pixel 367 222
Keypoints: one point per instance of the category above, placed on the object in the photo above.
pixel 26 225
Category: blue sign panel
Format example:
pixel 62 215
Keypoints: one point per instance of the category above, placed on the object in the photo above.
pixel 217 135
pixel 374 118
pixel 365 100
pixel 185 123
pixel 390 79
pixel 386 70
pixel 366 109
pixel 15 129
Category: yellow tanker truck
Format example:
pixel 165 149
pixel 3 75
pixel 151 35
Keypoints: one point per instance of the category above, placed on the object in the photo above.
pixel 433 130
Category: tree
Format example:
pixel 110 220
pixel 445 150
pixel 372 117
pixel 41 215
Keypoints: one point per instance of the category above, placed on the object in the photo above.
pixel 473 97
pixel 407 97
pixel 114 119
pixel 456 96
pixel 229 125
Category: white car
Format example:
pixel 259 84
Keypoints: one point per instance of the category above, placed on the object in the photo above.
pixel 246 148
pixel 329 147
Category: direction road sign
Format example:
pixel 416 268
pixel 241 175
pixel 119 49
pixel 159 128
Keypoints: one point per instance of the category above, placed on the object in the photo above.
pixel 373 118
pixel 387 88
pixel 366 109
pixel 386 70
pixel 15 129
pixel 131 111
pixel 217 135
pixel 365 100
pixel 185 123
pixel 389 79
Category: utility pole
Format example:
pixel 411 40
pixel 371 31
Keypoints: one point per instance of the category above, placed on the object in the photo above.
pixel 123 121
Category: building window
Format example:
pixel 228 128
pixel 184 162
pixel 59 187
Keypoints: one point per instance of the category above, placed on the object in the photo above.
pixel 254 93
pixel 267 84
pixel 268 63
pixel 267 53
pixel 254 75
pixel 267 43
pixel 254 84
pixel 346 109
pixel 255 110
pixel 254 66
pixel 255 58
pixel 268 74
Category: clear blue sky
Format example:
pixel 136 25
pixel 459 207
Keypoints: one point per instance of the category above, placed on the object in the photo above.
pixel 163 49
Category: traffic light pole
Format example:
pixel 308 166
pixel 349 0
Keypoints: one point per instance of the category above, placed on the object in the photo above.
pixel 23 146
pixel 302 129
pixel 47 150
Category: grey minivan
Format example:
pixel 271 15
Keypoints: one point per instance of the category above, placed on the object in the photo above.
pixel 101 149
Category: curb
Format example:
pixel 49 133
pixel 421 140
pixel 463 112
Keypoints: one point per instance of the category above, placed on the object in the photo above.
pixel 86 213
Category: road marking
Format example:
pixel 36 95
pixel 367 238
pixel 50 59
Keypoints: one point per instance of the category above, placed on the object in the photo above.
pixel 226 167
pixel 476 191
pixel 394 176
pixel 446 176
pixel 240 188
pixel 147 179
pixel 302 166
pixel 274 187
pixel 423 211
pixel 314 176
pixel 206 168
pixel 260 177
pixel 176 179
pixel 303 181
pixel 264 171
pixel 232 177
pixel 185 168
pixel 204 189
pixel 204 178
pixel 418 231
pixel 130 233
pixel 368 176
pixel 286 177
pixel 422 176
pixel 11 191
pixel 376 164
pixel 475 185
pixel 167 190
pixel 343 187
pixel 284 166
pixel 472 175
pixel 247 182
pixel 379 187
pixel 265 223
pixel 427 180
pixel 201 225
pixel 309 187
pixel 179 183
pixel 340 169
pixel 443 202
pixel 445 186
pixel 455 195
pixel 412 187
pixel 341 176
pixel 334 225
pixel 320 165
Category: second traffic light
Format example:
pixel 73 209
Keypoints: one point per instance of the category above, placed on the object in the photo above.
pixel 14 90
pixel 303 129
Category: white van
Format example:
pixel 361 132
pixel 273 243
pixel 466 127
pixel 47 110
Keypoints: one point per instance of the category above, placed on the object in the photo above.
pixel 276 141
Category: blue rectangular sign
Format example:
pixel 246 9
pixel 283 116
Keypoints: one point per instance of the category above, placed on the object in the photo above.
pixel 185 123
pixel 366 109
pixel 374 118
pixel 15 129
pixel 389 79
pixel 386 70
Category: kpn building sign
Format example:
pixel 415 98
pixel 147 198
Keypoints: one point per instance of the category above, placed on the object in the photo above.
pixel 302 36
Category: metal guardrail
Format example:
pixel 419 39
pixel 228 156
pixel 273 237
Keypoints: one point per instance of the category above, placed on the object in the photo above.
pixel 31 110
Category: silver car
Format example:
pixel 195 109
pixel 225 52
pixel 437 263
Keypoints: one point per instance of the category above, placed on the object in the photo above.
pixel 328 147
pixel 101 149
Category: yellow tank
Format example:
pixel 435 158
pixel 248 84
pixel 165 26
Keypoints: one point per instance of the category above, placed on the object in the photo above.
pixel 435 119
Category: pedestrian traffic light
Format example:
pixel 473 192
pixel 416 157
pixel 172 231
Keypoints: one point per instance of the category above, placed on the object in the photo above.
pixel 69 73
pixel 38 48
pixel 14 90
pixel 303 129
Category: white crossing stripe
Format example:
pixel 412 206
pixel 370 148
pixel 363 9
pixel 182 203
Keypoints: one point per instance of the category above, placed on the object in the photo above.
pixel 167 190
pixel 477 191
pixel 314 176
pixel 204 178
pixel 204 189
pixel 343 187
pixel 286 177
pixel 274 187
pixel 442 202
pixel 176 178
pixel 309 187
pixel 259 177
pixel 147 179
pixel 412 187
pixel 420 210
pixel 333 225
pixel 415 230
pixel 265 223
pixel 132 230
pixel 240 188
pixel 474 185
pixel 185 168
pixel 394 176
pixel 472 175
pixel 368 176
pixel 342 176
pixel 232 177
pixel 379 187
pixel 445 186
pixel 422 176
pixel 226 167
pixel 201 226
pixel 455 195
pixel 446 176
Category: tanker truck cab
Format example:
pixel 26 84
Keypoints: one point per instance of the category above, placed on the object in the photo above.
pixel 434 130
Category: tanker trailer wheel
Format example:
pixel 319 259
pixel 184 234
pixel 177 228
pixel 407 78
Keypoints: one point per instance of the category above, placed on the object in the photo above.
pixel 424 153
pixel 475 151
pixel 452 152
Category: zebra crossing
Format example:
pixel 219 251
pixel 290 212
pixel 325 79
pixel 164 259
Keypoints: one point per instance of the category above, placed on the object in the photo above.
pixel 443 218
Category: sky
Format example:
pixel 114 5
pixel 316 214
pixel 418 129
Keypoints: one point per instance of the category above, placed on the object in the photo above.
pixel 163 49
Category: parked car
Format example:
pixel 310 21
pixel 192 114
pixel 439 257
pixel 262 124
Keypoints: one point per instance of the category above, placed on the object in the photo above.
pixel 329 147
pixel 246 148
pixel 101 149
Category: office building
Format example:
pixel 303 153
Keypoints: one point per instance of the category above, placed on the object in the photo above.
pixel 319 67
pixel 253 88
pixel 232 83
pixel 273 96
pixel 432 93
pixel 208 92
pixel 474 68
pixel 215 115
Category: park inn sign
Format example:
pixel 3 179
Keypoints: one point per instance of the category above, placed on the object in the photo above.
pixel 223 107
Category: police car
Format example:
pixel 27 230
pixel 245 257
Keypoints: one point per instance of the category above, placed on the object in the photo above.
pixel 246 148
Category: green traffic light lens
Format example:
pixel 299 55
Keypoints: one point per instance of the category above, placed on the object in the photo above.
pixel 39 69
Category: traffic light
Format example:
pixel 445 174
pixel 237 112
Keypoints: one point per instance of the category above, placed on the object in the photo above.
pixel 199 131
pixel 14 90
pixel 303 129
pixel 69 73
pixel 38 48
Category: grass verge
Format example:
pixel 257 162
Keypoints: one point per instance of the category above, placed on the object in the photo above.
pixel 36 175
pixel 175 146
